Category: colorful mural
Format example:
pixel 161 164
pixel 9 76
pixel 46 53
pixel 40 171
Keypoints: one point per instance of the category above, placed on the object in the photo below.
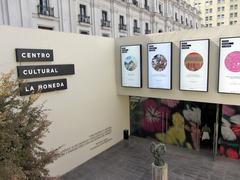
pixel 169 121
pixel 181 123
pixel 230 132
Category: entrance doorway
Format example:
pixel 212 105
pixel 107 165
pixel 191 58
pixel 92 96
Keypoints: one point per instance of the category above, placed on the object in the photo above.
pixel 207 128
pixel 210 128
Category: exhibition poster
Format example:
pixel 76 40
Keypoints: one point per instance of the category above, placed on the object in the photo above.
pixel 131 66
pixel 194 57
pixel 160 65
pixel 229 67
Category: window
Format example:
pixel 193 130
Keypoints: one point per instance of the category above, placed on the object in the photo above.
pixel 121 20
pixel 231 15
pixel 160 9
pixel 218 24
pixel 135 23
pixel 135 2
pixel 206 18
pixel 105 35
pixel 145 3
pixel 210 25
pixel 235 6
pixel 104 21
pixel 122 25
pixel 83 11
pixel 176 16
pixel 235 14
pixel 221 8
pixel 231 22
pixel 146 26
pixel 210 2
pixel 45 9
pixel 136 29
pixel 207 10
pixel 45 28
pixel 231 7
pixel 210 18
pixel 82 17
pixel 84 32
pixel 210 10
pixel 221 1
pixel 147 29
pixel 44 3
pixel 104 16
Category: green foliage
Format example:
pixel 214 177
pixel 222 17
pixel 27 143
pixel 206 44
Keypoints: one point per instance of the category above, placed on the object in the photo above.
pixel 22 125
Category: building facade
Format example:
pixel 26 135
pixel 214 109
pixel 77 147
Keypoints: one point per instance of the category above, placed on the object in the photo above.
pixel 110 18
pixel 218 12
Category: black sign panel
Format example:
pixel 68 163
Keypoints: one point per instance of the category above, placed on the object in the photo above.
pixel 42 86
pixel 45 70
pixel 33 55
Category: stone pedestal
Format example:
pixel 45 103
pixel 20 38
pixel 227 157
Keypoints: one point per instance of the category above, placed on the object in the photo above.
pixel 159 172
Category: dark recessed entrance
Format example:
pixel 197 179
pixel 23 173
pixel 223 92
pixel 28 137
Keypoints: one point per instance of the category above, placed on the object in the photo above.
pixel 207 127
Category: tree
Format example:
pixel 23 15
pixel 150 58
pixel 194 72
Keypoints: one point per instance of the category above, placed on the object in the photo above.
pixel 23 124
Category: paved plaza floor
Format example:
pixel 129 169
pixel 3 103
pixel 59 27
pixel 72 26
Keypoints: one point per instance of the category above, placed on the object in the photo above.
pixel 131 160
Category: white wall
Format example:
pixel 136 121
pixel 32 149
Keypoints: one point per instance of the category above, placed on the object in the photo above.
pixel 90 103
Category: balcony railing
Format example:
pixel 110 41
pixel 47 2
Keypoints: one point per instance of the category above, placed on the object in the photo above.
pixel 45 10
pixel 136 29
pixel 146 7
pixel 122 27
pixel 147 31
pixel 83 19
pixel 106 23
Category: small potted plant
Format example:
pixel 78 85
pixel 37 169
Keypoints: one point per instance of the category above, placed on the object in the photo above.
pixel 159 166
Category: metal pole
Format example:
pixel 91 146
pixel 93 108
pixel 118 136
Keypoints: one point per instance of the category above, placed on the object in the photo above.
pixel 215 136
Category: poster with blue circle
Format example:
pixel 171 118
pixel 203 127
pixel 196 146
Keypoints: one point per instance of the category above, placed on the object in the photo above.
pixel 131 66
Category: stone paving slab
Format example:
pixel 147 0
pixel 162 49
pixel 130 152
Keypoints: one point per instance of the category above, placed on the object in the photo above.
pixel 131 160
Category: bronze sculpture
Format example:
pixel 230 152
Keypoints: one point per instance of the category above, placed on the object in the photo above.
pixel 158 150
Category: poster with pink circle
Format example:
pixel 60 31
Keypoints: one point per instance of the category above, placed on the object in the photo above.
pixel 229 67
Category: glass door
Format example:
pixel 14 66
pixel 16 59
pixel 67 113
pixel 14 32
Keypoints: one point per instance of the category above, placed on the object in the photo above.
pixel 216 132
